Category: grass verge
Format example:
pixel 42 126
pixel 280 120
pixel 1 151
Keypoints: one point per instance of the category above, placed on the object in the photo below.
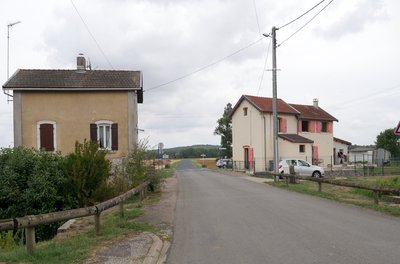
pixel 77 248
pixel 363 198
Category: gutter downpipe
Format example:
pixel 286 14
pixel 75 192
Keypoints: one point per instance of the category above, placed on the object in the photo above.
pixel 265 145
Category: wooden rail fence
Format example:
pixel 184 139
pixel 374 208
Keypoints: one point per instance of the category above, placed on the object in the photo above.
pixel 31 221
pixel 378 190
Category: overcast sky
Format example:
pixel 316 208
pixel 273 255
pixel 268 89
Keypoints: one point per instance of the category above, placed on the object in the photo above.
pixel 348 57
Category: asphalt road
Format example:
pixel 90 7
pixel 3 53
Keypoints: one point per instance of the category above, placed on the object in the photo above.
pixel 228 219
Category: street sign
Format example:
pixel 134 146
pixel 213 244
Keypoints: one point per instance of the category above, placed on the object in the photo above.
pixel 397 129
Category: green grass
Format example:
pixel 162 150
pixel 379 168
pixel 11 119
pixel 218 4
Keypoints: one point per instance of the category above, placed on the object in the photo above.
pixel 78 248
pixel 362 198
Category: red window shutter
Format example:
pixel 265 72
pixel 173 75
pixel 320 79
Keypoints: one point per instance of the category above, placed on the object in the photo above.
pixel 93 132
pixel 46 137
pixel 114 135
pixel 283 125
pixel 330 127
pixel 319 126
pixel 299 128
pixel 313 126
pixel 315 155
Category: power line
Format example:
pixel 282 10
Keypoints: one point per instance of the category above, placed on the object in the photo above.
pixel 265 65
pixel 90 33
pixel 301 15
pixel 305 23
pixel 204 67
pixel 255 11
pixel 366 97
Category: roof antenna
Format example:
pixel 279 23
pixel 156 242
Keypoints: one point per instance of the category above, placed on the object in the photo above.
pixel 89 65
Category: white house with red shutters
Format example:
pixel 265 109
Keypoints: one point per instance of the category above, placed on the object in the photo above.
pixel 304 131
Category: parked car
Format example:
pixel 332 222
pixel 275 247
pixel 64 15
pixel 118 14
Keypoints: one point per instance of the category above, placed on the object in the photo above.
pixel 301 167
pixel 221 163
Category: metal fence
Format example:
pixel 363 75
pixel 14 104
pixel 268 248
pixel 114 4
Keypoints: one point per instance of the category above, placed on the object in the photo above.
pixel 365 166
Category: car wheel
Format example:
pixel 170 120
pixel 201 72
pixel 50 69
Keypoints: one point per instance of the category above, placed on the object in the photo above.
pixel 316 174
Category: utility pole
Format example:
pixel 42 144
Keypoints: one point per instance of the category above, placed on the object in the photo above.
pixel 274 102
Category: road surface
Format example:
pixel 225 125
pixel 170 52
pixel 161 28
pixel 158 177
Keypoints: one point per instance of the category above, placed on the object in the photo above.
pixel 228 219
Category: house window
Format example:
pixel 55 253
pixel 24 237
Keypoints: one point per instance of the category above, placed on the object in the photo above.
pixel 46 135
pixel 304 126
pixel 324 126
pixel 245 111
pixel 106 133
pixel 279 124
pixel 302 148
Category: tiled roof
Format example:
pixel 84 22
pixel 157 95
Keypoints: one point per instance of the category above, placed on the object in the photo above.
pixel 341 141
pixel 294 138
pixel 74 80
pixel 313 113
pixel 264 104
pixel 308 112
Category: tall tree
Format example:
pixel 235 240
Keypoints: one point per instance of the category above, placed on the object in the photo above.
pixel 389 141
pixel 224 129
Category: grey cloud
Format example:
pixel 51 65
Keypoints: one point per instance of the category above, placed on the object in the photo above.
pixel 356 20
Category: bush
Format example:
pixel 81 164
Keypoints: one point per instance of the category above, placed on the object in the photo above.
pixel 138 167
pixel 33 182
pixel 88 171
pixel 7 240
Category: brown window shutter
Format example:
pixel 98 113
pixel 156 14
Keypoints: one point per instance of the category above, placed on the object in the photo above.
pixel 114 135
pixel 140 96
pixel 46 137
pixel 93 132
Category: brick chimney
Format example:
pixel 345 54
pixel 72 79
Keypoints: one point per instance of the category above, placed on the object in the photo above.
pixel 81 63
pixel 315 102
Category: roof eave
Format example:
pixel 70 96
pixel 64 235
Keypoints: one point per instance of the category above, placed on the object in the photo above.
pixel 70 89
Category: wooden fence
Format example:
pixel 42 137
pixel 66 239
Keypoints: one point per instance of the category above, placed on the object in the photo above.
pixel 31 221
pixel 378 190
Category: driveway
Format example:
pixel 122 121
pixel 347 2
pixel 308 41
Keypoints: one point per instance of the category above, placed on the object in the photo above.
pixel 224 218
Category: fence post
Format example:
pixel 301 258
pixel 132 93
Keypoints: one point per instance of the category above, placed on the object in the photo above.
pixel 287 181
pixel 319 186
pixel 30 239
pixel 363 162
pixel 376 197
pixel 121 209
pixel 97 223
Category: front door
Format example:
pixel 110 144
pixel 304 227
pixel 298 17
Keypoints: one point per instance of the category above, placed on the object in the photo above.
pixel 315 156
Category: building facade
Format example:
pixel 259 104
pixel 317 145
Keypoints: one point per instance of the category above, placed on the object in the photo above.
pixel 304 131
pixel 55 108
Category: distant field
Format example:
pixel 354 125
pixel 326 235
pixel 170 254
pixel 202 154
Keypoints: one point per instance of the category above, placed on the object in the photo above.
pixel 210 162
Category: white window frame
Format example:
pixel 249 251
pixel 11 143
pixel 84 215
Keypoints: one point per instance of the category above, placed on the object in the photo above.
pixel 104 123
pixel 54 132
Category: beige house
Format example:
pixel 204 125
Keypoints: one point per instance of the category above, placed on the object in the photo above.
pixel 304 131
pixel 55 108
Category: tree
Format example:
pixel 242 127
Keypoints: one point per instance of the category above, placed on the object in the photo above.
pixel 224 129
pixel 388 140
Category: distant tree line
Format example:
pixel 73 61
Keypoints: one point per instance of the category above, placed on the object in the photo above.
pixel 192 152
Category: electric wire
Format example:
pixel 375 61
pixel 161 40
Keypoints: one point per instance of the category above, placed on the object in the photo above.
pixel 290 22
pixel 366 97
pixel 204 67
pixel 255 11
pixel 305 24
pixel 265 65
pixel 92 36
